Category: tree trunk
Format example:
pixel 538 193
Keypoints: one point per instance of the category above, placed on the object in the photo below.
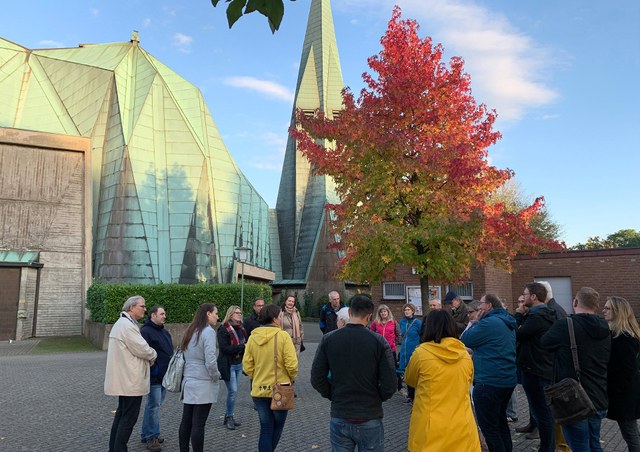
pixel 424 293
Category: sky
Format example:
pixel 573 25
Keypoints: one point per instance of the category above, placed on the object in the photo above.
pixel 562 76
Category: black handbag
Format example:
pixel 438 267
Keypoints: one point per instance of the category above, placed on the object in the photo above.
pixel 567 399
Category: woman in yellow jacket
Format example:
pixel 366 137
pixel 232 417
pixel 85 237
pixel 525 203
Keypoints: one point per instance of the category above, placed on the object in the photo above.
pixel 258 364
pixel 441 370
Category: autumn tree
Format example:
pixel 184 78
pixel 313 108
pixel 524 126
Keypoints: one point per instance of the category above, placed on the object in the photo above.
pixel 514 199
pixel 409 161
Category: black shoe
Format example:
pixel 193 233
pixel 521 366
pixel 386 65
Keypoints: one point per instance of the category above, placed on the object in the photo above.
pixel 512 419
pixel 228 422
pixel 236 423
pixel 533 435
pixel 526 429
pixel 154 445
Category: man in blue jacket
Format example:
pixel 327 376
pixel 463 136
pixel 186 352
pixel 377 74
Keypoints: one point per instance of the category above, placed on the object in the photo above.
pixel 493 341
pixel 159 339
pixel 329 313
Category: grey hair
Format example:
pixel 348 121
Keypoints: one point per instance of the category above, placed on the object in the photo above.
pixel 549 290
pixel 131 302
pixel 333 291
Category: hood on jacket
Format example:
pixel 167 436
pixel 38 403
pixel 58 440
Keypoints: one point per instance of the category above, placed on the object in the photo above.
pixel 546 313
pixel 593 325
pixel 263 334
pixel 503 315
pixel 449 350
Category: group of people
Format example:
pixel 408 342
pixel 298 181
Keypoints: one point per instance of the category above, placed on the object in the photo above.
pixel 454 348
pixel 138 359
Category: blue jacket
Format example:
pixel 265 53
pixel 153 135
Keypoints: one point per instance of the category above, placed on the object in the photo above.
pixel 158 339
pixel 410 332
pixel 493 341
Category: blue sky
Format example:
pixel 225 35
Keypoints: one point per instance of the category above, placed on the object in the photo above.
pixel 563 77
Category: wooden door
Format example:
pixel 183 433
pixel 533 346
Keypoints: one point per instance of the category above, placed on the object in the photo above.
pixel 9 295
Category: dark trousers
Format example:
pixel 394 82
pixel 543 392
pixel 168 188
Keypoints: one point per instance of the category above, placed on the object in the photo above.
pixel 491 403
pixel 534 389
pixel 123 422
pixel 194 418
pixel 271 424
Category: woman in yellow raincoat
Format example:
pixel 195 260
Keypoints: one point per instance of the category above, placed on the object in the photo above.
pixel 441 370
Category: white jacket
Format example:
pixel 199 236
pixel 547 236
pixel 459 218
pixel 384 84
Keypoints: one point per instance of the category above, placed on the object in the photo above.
pixel 128 357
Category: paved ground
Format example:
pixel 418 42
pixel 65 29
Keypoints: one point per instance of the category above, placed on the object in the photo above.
pixel 56 403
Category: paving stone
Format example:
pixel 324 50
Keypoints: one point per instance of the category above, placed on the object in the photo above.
pixel 56 403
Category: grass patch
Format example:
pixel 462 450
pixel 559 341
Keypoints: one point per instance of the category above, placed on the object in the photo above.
pixel 70 344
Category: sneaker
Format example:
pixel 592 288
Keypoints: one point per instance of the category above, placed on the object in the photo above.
pixel 512 419
pixel 154 445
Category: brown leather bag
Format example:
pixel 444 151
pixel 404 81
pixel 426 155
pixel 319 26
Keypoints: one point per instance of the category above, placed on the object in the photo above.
pixel 283 397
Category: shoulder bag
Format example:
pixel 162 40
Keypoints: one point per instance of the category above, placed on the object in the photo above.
pixel 283 397
pixel 567 399
pixel 172 380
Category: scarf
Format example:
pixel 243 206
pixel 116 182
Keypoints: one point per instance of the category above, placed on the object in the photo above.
pixel 236 339
pixel 291 324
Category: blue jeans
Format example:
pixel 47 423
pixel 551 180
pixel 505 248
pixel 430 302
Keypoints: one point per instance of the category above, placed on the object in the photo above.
pixel 271 424
pixel 151 419
pixel 345 436
pixel 584 436
pixel 491 403
pixel 232 388
pixel 534 389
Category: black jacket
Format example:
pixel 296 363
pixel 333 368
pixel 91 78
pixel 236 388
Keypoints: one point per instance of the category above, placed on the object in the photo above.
pixel 623 379
pixel 363 373
pixel 229 354
pixel 329 318
pixel 531 356
pixel 251 323
pixel 158 339
pixel 559 310
pixel 594 345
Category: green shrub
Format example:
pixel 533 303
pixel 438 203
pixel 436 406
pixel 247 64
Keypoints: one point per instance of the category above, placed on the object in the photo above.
pixel 181 301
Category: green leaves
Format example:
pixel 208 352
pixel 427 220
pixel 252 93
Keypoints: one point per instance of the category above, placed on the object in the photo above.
pixel 273 10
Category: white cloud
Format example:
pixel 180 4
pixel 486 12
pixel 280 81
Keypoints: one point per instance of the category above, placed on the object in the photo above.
pixel 182 42
pixel 271 89
pixel 146 22
pixel 50 43
pixel 506 65
pixel 95 12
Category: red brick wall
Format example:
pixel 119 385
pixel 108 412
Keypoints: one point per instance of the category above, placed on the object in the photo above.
pixel 610 272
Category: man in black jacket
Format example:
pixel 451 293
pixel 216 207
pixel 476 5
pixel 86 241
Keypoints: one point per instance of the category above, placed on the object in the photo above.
pixel 534 363
pixel 159 339
pixel 354 368
pixel 251 322
pixel 593 340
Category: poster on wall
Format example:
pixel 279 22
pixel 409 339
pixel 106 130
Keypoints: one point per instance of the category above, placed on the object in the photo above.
pixel 414 296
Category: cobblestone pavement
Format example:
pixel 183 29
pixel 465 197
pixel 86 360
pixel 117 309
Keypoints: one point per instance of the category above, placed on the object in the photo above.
pixel 56 403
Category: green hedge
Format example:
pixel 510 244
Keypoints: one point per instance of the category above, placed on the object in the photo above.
pixel 181 301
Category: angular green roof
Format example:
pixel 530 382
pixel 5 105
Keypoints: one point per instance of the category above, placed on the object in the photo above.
pixel 169 202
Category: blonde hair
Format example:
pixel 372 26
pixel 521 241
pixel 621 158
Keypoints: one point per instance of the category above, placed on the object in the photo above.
pixel 229 313
pixel 623 319
pixel 380 308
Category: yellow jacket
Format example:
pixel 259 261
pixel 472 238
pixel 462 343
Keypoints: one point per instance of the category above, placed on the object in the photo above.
pixel 442 418
pixel 258 360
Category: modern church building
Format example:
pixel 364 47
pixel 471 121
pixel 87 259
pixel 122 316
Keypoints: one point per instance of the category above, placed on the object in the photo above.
pixel 111 166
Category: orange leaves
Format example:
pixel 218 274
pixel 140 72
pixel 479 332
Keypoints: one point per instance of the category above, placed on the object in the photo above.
pixel 409 162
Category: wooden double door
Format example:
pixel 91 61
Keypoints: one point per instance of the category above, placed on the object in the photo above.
pixel 9 297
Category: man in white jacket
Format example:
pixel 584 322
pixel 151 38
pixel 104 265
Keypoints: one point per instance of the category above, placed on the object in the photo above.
pixel 127 375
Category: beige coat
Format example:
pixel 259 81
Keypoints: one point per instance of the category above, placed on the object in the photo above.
pixel 128 359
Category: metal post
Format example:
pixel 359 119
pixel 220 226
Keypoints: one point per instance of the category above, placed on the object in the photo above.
pixel 242 289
